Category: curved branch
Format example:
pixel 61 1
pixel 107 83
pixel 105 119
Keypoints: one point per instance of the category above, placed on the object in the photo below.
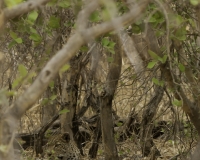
pixel 75 42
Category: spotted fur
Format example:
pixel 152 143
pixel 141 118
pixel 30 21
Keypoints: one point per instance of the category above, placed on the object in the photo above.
pixel 60 147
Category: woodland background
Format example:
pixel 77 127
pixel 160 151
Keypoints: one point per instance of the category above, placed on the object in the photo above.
pixel 117 74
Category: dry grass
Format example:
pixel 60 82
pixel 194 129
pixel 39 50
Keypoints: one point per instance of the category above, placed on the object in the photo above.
pixel 134 94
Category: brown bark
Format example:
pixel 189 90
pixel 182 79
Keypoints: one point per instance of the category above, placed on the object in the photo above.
pixel 106 104
pixel 196 154
pixel 69 96
pixel 49 109
pixel 190 109
pixel 131 50
pixel 96 139
pixel 147 123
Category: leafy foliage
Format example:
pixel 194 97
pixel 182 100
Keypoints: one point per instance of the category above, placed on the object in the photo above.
pixel 32 39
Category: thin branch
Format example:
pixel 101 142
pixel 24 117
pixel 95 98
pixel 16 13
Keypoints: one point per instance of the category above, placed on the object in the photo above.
pixel 25 101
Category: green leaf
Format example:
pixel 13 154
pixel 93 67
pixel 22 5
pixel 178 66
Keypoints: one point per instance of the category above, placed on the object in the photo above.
pixel 119 124
pixel 53 97
pixel 22 70
pixel 152 19
pixel 94 17
pixel 11 3
pixel 45 101
pixel 21 27
pixel 105 42
pixel 16 82
pixel 110 49
pixel 30 76
pixel 65 68
pixel 64 4
pixel 152 6
pixel 153 55
pixel 136 29
pixel 111 44
pixel 105 14
pixel 175 20
pixel 181 67
pixel 52 2
pixel 164 59
pixel 180 34
pixel 157 82
pixel 18 40
pixel 192 22
pixel 12 43
pixel 161 83
pixel 32 16
pixel 122 8
pixel 35 37
pixel 84 48
pixel 157 18
pixel 3 148
pixel 32 30
pixel 11 93
pixel 54 22
pixel 110 59
pixel 64 111
pixel 177 103
pixel 160 33
pixel 194 2
pixel 151 64
pixel 51 84
pixel 13 35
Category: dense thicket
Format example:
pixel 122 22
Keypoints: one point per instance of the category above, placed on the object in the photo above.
pixel 119 74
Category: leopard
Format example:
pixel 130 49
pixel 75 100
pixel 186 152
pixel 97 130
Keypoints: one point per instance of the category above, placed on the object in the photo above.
pixel 60 147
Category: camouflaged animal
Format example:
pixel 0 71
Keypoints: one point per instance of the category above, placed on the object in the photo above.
pixel 60 147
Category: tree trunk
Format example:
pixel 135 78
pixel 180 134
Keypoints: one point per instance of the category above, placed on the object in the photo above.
pixel 69 97
pixel 49 109
pixel 106 104
pixel 96 138
pixel 69 122
pixel 147 126
pixel 188 106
